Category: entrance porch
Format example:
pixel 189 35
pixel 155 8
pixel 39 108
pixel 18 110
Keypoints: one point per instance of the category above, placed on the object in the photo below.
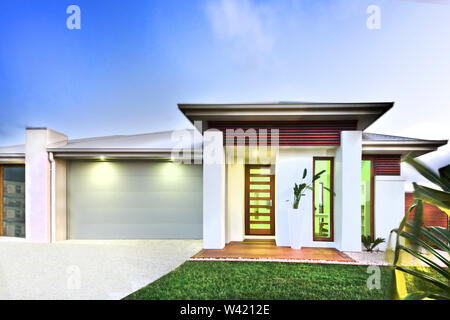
pixel 249 200
pixel 266 249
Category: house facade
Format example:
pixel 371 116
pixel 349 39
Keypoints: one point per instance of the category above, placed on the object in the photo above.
pixel 230 179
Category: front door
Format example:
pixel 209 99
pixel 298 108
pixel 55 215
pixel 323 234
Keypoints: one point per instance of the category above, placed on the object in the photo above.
pixel 259 200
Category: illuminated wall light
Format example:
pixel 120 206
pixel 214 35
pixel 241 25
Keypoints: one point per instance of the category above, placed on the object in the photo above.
pixel 104 173
pixel 102 158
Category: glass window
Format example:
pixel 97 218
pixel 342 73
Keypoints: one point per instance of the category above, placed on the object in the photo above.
pixel 323 200
pixel 12 203
pixel 366 175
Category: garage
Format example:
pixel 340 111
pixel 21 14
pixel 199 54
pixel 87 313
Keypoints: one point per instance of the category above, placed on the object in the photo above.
pixel 133 199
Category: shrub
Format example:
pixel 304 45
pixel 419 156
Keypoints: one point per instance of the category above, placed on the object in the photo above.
pixel 369 244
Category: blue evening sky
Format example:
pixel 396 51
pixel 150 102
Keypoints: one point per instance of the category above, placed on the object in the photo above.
pixel 133 61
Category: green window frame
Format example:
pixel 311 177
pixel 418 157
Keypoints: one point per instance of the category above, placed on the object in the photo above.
pixel 367 196
pixel 323 200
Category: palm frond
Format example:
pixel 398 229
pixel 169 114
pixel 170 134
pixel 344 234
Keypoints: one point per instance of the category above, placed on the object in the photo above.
pixel 377 241
pixel 438 198
pixel 428 173
pixel 421 241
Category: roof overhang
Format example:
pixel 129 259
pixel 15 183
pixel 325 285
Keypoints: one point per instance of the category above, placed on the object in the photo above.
pixel 417 148
pixel 12 158
pixel 123 154
pixel 364 112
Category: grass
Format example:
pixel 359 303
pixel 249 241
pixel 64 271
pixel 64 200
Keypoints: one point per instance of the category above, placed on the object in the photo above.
pixel 263 280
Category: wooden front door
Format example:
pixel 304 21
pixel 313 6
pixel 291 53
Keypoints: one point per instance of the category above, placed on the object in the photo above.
pixel 259 200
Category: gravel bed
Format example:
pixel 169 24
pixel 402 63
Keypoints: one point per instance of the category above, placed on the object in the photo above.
pixel 377 258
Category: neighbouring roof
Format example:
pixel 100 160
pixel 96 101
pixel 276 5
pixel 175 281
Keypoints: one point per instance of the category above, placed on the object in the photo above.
pixel 11 154
pixel 364 112
pixel 17 149
pixel 373 143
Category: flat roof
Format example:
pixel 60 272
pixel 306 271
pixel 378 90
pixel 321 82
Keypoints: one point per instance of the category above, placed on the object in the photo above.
pixel 365 113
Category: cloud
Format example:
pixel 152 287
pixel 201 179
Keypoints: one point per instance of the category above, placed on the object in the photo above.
pixel 244 27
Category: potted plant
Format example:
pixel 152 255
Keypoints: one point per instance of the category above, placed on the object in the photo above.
pixel 295 212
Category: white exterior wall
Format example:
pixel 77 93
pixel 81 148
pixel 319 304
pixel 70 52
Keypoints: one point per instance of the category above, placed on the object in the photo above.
pixel 60 223
pixel 338 198
pixel 389 205
pixel 37 183
pixel 349 191
pixel 213 190
pixel 289 167
pixel 235 202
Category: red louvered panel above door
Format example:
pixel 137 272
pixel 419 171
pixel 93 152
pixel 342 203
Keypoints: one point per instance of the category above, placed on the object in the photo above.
pixel 291 133
pixel 387 165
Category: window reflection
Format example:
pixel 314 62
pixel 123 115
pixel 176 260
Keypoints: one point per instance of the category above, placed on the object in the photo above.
pixel 13 201
pixel 323 199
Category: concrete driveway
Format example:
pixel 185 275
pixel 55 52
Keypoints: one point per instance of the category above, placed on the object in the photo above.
pixel 87 269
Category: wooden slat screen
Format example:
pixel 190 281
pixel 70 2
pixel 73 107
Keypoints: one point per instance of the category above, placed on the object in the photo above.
pixel 291 133
pixel 387 165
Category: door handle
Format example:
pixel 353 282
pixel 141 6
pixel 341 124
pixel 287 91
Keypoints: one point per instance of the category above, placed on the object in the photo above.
pixel 270 202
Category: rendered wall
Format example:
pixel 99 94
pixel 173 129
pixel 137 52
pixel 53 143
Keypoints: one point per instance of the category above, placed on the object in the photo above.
pixel 37 183
pixel 60 224
pixel 389 205
pixel 349 191
pixel 338 198
pixel 289 167
pixel 235 202
pixel 213 190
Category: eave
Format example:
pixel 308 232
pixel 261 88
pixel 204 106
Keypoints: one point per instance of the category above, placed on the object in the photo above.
pixel 12 158
pixel 122 153
pixel 364 113
pixel 417 148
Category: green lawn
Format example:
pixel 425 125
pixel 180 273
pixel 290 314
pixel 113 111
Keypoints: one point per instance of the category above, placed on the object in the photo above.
pixel 263 280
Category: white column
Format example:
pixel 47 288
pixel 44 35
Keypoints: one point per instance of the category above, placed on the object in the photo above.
pixel 60 223
pixel 236 202
pixel 389 205
pixel 213 190
pixel 37 183
pixel 349 191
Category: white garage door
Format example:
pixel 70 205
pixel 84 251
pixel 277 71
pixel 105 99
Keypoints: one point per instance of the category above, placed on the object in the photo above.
pixel 134 200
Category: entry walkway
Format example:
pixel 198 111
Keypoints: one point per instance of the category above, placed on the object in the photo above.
pixel 267 250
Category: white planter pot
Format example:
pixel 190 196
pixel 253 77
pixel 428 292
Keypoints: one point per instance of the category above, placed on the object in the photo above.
pixel 295 217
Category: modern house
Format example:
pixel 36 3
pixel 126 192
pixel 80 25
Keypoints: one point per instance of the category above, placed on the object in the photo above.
pixel 227 180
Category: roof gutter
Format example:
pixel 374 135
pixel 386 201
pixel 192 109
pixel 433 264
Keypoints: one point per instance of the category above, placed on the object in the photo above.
pixel 12 158
pixel 127 155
